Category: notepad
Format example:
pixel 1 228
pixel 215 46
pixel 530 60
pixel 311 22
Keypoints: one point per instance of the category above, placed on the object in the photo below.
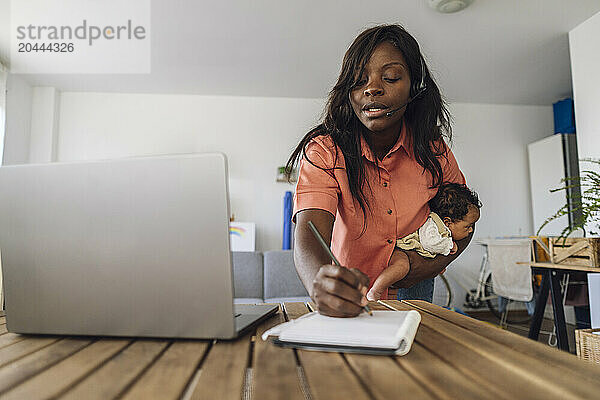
pixel 386 332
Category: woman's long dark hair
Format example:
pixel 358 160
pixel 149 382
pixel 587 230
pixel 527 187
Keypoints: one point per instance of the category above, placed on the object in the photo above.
pixel 427 117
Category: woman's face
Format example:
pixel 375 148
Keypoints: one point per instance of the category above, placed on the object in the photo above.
pixel 383 87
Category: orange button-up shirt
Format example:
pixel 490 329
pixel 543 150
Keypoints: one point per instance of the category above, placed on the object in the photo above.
pixel 399 204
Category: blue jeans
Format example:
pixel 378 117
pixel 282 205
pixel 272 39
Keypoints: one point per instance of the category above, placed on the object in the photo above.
pixel 503 302
pixel 419 291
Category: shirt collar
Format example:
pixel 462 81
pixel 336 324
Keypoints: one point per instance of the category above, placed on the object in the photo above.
pixel 403 141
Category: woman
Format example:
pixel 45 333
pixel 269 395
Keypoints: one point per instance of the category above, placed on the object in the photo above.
pixel 367 172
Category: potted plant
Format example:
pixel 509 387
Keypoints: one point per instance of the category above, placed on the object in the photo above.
pixel 585 215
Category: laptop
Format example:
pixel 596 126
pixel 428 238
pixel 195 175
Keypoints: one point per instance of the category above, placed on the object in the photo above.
pixel 130 247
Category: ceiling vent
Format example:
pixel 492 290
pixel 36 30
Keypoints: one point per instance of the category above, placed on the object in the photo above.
pixel 449 6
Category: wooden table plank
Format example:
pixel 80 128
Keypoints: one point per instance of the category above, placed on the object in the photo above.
pixel 453 357
pixel 56 379
pixel 224 370
pixel 440 378
pixel 485 371
pixel 26 367
pixel 328 375
pixel 22 348
pixel 2 320
pixel 274 369
pixel 378 305
pixel 561 266
pixel 170 374
pixel 494 363
pixel 385 378
pixel 419 374
pixel 118 373
pixel 527 368
pixel 543 353
pixel 3 329
pixel 295 310
pixel 10 338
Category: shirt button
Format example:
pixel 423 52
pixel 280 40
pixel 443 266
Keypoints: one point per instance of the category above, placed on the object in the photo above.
pixel 389 212
pixel 390 241
pixel 385 184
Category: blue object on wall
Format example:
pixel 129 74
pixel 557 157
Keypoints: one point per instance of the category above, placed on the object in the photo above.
pixel 564 116
pixel 287 221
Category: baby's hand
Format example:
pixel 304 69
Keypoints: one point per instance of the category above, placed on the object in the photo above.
pixel 398 268
pixel 378 289
pixel 454 248
pixel 374 294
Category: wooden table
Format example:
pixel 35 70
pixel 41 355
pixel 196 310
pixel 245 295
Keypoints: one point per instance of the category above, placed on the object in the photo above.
pixel 453 357
pixel 551 276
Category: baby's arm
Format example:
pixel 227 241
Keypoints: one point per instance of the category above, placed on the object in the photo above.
pixel 398 268
pixel 452 251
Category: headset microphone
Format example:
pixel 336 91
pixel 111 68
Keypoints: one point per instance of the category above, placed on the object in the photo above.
pixel 390 113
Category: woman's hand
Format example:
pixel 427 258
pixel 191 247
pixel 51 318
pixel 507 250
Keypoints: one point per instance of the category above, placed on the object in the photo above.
pixel 339 291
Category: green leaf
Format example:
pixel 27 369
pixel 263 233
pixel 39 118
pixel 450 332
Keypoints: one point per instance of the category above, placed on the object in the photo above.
pixel 588 202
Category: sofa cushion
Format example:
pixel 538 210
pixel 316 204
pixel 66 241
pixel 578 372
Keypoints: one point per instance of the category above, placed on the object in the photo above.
pixel 247 300
pixel 281 279
pixel 247 274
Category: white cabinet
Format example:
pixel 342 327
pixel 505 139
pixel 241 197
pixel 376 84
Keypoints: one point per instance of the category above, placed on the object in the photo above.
pixel 551 160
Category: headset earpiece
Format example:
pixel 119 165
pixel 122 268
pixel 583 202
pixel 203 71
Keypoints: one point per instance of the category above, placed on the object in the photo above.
pixel 418 88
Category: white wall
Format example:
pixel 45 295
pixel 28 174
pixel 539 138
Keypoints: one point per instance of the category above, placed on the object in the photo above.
pixel 585 59
pixel 18 121
pixel 3 78
pixel 584 48
pixel 257 134
pixel 490 144
pixel 44 124
pixel 491 147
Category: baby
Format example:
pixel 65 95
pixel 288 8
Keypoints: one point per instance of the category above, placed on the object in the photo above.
pixel 454 211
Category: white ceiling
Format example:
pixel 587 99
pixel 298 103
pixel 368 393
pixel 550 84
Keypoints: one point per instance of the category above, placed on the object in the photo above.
pixel 495 51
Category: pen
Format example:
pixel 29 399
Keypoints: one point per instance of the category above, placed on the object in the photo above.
pixel 319 238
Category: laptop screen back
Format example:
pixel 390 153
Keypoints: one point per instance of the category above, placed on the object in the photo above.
pixel 131 247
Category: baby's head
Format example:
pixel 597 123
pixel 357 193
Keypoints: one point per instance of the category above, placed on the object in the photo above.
pixel 458 206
